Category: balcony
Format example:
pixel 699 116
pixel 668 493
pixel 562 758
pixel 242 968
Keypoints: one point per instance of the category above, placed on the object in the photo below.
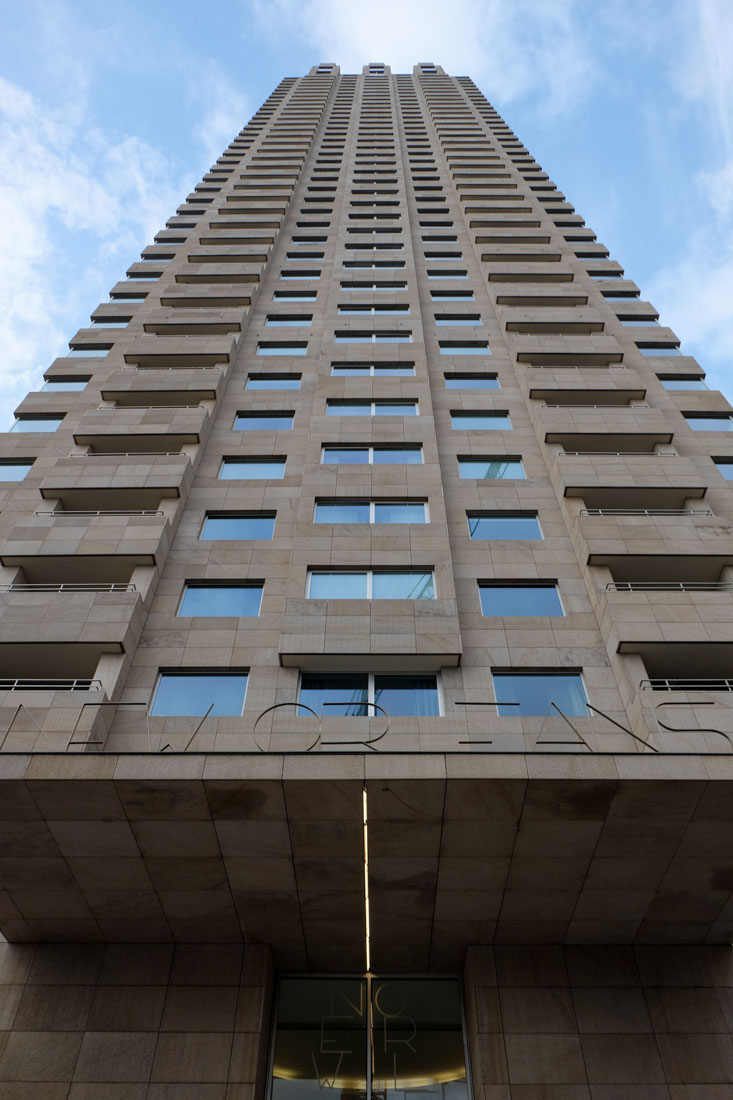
pixel 181 296
pixel 181 351
pixel 608 398
pixel 605 441
pixel 196 324
pixel 108 544
pixel 557 351
pixel 223 274
pixel 107 614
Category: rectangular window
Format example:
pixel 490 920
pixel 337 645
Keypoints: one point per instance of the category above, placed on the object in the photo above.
pixel 248 469
pixel 282 347
pixel 453 319
pixel 273 382
pixel 451 295
pixel 61 385
pixel 658 349
pixel 193 693
pixel 471 381
pixel 533 693
pixel 280 320
pixel 491 467
pixel 374 370
pixel 110 322
pixel 263 422
pixel 505 599
pixel 479 421
pixel 374 265
pixel 353 694
pixel 294 296
pixel 88 352
pixel 464 347
pixel 37 422
pixel 349 337
pixel 503 525
pixel 202 600
pixel 447 274
pixel 682 382
pixel 337 407
pixel 700 422
pixel 300 274
pixel 378 584
pixel 15 470
pixel 304 256
pixel 365 511
pixel 725 468
pixel 238 525
pixel 374 311
pixel 382 455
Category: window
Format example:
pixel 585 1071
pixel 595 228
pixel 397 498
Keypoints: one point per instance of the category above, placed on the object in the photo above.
pixel 371 408
pixel 503 525
pixel 471 382
pixel 447 274
pixel 279 320
pixel 374 265
pixel 638 322
pixel 375 370
pixel 374 311
pixel 710 422
pixel 464 347
pixel 349 694
pixel 725 468
pixel 15 470
pixel 294 296
pixel 658 349
pixel 273 382
pixel 60 384
pixel 454 319
pixel 304 255
pixel 377 584
pixel 491 467
pixel 479 421
pixel 37 422
pixel 263 421
pixel 507 599
pixel 451 295
pixel 109 322
pixel 533 693
pixel 192 693
pixel 89 352
pixel 381 455
pixel 282 347
pixel 682 382
pixel 366 511
pixel 207 600
pixel 356 337
pixel 238 525
pixel 300 274
pixel 247 469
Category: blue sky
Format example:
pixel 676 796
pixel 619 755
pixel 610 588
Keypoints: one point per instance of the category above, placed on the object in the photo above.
pixel 109 114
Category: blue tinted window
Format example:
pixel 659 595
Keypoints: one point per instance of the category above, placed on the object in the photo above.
pixel 59 385
pixel 407 695
pixel 471 382
pixel 399 513
pixel 215 600
pixel 504 527
pixel 14 471
pixel 710 423
pixel 335 694
pixel 353 456
pixel 536 692
pixel 668 350
pixel 273 382
pixel 499 600
pixel 455 347
pixel 403 586
pixel 239 527
pixel 37 423
pixel 348 408
pixel 342 512
pixel 192 693
pixel 385 456
pixel 282 349
pixel 263 422
pixel 338 586
pixel 89 353
pixel 246 469
pixel 725 467
pixel 480 421
pixel 683 383
pixel 503 469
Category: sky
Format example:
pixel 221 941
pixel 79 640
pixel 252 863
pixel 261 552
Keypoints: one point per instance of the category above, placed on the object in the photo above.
pixel 111 113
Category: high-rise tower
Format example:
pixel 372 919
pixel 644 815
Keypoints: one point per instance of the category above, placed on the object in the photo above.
pixel 367 614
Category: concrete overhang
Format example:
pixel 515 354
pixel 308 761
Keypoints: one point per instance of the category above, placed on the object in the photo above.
pixel 463 848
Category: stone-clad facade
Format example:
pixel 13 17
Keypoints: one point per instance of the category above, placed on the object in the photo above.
pixel 369 555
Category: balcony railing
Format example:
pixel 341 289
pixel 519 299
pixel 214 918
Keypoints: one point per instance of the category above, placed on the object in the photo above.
pixel 646 512
pixel 619 454
pixel 669 586
pixel 101 512
pixel 67 588
pixel 29 684
pixel 605 405
pixel 680 684
pixel 129 454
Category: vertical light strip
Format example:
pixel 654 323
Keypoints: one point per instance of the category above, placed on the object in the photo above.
pixel 367 921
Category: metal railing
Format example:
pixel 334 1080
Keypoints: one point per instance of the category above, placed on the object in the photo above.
pixel 146 408
pixel 29 684
pixel 619 454
pixel 686 684
pixel 646 512
pixel 111 587
pixel 101 512
pixel 129 454
pixel 606 405
pixel 669 586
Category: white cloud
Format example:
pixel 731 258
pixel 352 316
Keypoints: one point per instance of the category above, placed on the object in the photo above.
pixel 516 48
pixel 65 185
pixel 226 109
